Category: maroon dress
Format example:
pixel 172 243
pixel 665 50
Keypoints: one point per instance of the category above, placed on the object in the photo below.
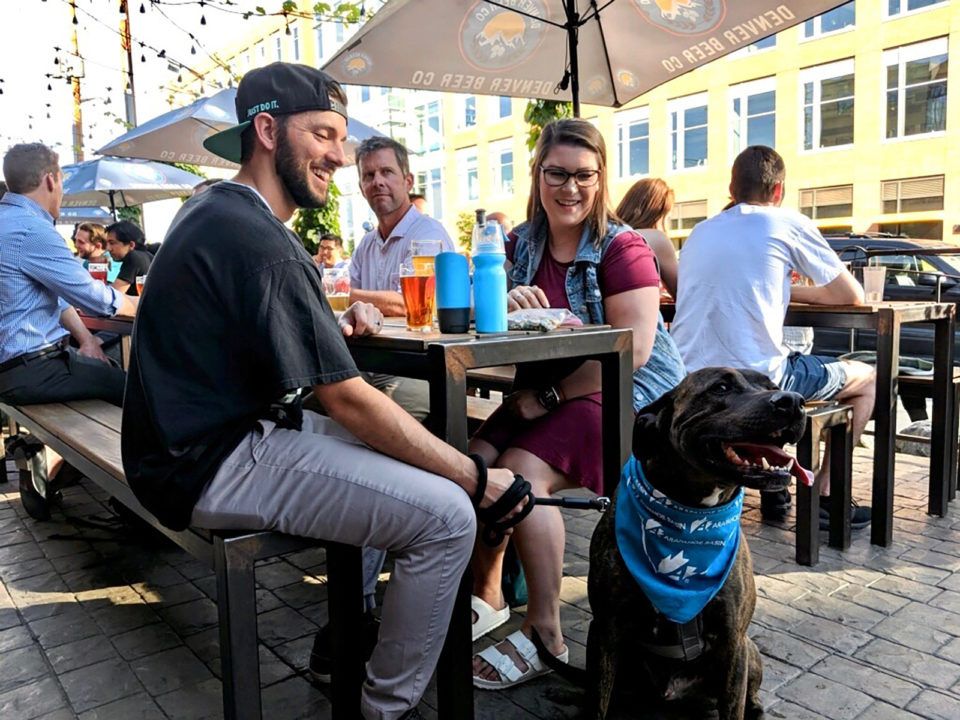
pixel 568 438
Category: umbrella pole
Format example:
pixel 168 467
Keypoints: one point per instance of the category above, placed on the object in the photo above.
pixel 113 207
pixel 573 26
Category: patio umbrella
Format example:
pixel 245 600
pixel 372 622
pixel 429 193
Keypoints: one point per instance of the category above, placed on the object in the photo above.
pixel 178 135
pixel 604 52
pixel 74 215
pixel 112 181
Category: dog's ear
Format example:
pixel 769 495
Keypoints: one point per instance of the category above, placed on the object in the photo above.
pixel 652 423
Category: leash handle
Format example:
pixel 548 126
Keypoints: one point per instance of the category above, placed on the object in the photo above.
pixel 576 503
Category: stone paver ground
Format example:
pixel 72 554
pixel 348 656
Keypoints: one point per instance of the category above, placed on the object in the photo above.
pixel 98 624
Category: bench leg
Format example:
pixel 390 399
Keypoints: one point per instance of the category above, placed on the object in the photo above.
pixel 237 610
pixel 955 417
pixel 841 483
pixel 808 502
pixel 345 615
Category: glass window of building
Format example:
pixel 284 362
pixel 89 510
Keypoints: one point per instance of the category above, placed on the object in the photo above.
pixel 687 214
pixel 278 46
pixel 466 110
pixel 468 177
pixel 504 106
pixel 429 129
pixel 339 31
pixel 296 43
pixel 365 93
pixel 916 88
pixel 688 132
pixel 632 128
pixel 912 194
pixel 501 162
pixel 318 34
pixel 753 108
pixel 898 7
pixel 827 105
pixel 830 22
pixel 429 183
pixel 827 202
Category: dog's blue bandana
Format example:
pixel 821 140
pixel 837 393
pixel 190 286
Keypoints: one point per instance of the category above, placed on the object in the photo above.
pixel 680 556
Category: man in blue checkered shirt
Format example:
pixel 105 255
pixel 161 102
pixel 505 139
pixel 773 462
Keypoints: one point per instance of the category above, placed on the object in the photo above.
pixel 41 285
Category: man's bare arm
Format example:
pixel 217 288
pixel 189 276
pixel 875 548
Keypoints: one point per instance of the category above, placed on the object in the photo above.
pixel 386 301
pixel 842 290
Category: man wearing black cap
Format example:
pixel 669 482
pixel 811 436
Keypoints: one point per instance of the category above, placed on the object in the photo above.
pixel 233 319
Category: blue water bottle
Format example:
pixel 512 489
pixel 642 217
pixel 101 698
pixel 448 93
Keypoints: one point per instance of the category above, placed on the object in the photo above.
pixel 489 276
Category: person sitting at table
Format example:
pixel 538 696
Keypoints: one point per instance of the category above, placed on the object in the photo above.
pixel 212 436
pixel 330 252
pixel 91 242
pixel 127 244
pixel 734 290
pixel 645 207
pixel 574 253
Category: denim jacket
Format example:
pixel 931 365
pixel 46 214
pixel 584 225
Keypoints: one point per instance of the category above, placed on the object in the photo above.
pixel 664 369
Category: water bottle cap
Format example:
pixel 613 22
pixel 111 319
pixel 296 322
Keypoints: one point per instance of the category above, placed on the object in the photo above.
pixel 491 239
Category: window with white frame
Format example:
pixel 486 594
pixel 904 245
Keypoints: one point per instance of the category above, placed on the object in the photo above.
pixel 296 43
pixel 339 31
pixel 916 88
pixel 827 105
pixel 318 29
pixel 365 93
pixel 827 202
pixel 278 46
pixel 898 7
pixel 429 126
pixel 688 132
pixel 830 22
pixel 685 215
pixel 759 45
pixel 429 183
pixel 633 142
pixel 753 120
pixel 504 106
pixel 912 194
pixel 262 47
pixel 501 162
pixel 468 177
pixel 466 109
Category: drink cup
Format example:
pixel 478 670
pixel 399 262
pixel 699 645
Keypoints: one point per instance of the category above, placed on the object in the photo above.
pixel 874 277
pixel 424 251
pixel 141 281
pixel 336 286
pixel 98 271
pixel 418 291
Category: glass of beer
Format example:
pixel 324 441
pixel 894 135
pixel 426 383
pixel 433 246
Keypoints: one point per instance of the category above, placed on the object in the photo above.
pixel 424 251
pixel 336 286
pixel 98 271
pixel 419 290
pixel 141 281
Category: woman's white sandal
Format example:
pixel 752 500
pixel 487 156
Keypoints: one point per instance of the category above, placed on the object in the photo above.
pixel 488 618
pixel 505 666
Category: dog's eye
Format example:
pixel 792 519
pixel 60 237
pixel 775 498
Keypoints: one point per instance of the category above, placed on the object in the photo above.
pixel 721 388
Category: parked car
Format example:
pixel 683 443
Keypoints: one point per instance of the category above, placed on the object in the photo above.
pixel 916 270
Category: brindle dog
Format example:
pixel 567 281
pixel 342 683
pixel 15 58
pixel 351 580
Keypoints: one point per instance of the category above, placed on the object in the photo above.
pixel 718 430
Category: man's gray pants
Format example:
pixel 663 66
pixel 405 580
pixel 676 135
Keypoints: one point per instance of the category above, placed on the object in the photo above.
pixel 323 482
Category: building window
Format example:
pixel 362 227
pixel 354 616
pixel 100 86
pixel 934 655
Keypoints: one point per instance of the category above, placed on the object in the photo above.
pixel 912 194
pixel 429 126
pixel 827 202
pixel 339 31
pixel 262 47
pixel 278 42
pixel 687 214
pixel 365 93
pixel 827 105
pixel 504 106
pixel 897 7
pixel 830 22
pixel 296 43
pixel 753 117
pixel 501 161
pixel 633 142
pixel 688 132
pixel 430 185
pixel 916 88
pixel 466 109
pixel 468 178
pixel 318 28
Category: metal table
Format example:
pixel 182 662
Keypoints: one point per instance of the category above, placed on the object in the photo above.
pixel 443 360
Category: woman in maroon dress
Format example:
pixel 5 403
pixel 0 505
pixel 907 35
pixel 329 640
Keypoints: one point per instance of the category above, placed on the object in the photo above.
pixel 571 253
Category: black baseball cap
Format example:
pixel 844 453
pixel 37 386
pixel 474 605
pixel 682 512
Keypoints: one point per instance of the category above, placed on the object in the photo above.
pixel 279 89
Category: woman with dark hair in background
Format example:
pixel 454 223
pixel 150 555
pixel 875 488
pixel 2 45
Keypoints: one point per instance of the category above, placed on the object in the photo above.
pixel 125 241
pixel 645 208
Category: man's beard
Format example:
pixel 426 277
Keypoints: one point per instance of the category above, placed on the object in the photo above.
pixel 293 176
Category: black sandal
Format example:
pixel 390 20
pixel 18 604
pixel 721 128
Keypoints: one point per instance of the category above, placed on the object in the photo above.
pixel 494 526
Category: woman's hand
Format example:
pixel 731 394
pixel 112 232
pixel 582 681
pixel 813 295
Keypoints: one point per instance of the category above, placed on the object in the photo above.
pixel 526 296
pixel 524 404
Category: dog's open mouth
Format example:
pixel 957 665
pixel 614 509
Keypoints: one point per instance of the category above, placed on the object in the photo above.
pixel 766 460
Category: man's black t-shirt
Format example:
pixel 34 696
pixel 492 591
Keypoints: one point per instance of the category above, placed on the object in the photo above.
pixel 136 262
pixel 233 318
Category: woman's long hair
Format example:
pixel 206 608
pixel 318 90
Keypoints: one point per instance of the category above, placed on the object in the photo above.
pixel 646 204
pixel 576 133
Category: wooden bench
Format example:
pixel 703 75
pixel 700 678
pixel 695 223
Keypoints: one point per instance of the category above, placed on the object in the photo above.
pixel 921 386
pixel 87 434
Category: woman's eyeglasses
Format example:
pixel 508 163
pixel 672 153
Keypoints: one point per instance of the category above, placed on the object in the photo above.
pixel 557 177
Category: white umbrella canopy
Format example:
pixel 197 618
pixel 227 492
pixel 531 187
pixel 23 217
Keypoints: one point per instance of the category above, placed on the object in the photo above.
pixel 178 135
pixel 74 215
pixel 121 181
pixel 603 52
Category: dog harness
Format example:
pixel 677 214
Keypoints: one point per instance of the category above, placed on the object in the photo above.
pixel 680 556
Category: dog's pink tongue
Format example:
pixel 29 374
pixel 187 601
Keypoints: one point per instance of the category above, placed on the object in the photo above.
pixel 802 474
pixel 775 456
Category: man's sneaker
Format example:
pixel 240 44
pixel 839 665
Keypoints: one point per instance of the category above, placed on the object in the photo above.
pixel 321 660
pixel 860 515
pixel 775 504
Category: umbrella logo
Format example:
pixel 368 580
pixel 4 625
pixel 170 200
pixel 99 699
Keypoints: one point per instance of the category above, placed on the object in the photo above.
pixel 627 79
pixel 356 64
pixel 492 38
pixel 683 17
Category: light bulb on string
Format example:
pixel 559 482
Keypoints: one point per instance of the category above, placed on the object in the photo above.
pixel 203 19
pixel 143 58
pixel 193 50
pixel 143 10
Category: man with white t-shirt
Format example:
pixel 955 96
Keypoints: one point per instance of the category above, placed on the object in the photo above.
pixel 734 289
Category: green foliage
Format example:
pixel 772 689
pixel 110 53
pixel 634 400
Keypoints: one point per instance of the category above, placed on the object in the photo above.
pixel 134 213
pixel 187 167
pixel 465 222
pixel 311 223
pixel 541 112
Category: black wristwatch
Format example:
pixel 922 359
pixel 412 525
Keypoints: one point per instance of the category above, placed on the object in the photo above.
pixel 549 398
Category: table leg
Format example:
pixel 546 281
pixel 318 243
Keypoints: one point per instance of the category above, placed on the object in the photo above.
pixel 617 412
pixel 888 360
pixel 941 446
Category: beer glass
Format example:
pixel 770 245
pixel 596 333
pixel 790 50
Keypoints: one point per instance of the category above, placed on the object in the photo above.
pixel 424 251
pixel 98 271
pixel 141 281
pixel 336 286
pixel 419 291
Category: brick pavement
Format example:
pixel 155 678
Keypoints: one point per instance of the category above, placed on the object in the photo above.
pixel 99 624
